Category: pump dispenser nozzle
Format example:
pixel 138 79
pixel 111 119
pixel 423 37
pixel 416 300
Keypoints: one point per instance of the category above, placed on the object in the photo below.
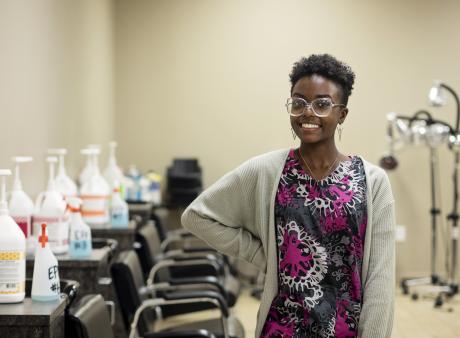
pixel 61 152
pixel 51 160
pixel 17 178
pixel 112 147
pixel 3 202
pixel 63 183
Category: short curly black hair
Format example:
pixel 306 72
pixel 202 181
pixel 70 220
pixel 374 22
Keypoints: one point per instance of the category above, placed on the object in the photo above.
pixel 328 66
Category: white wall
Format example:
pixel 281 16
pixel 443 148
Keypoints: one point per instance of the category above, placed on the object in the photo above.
pixel 56 80
pixel 209 79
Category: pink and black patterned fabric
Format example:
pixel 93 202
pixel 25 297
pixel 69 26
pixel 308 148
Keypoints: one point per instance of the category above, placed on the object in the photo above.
pixel 320 227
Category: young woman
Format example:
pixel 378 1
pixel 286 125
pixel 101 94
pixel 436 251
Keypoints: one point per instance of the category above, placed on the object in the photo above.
pixel 319 223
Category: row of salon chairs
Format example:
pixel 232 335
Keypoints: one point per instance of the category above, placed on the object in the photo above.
pixel 155 281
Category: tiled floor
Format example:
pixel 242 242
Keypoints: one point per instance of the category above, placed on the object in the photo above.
pixel 413 319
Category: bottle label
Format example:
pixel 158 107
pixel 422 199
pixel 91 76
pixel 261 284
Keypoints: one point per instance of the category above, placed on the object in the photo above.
pixel 24 223
pixel 57 230
pixel 12 272
pixel 95 209
pixel 53 278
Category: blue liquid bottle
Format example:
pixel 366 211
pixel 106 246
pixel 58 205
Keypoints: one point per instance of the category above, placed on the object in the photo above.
pixel 80 232
pixel 119 210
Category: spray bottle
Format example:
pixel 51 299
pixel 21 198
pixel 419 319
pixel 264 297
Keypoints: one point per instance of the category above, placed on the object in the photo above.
pixel 95 193
pixel 50 208
pixel 112 173
pixel 119 210
pixel 21 206
pixel 80 232
pixel 64 184
pixel 45 282
pixel 12 252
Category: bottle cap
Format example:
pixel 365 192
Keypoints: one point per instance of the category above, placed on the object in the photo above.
pixel 43 239
pixel 22 159
pixel 90 151
pixel 57 151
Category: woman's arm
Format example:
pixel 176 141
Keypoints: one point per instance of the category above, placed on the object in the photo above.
pixel 376 319
pixel 223 216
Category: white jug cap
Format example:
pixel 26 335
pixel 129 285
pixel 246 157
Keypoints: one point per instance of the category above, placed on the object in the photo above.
pixel 22 159
pixel 57 151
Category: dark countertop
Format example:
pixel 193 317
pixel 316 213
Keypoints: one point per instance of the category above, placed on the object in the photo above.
pixel 31 313
pixel 97 230
pixel 140 207
pixel 97 256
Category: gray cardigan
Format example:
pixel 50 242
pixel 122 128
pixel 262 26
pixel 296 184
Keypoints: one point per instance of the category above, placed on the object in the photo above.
pixel 236 217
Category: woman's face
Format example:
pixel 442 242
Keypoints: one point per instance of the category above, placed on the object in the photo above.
pixel 309 127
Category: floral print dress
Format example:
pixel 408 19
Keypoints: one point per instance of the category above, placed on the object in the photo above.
pixel 320 228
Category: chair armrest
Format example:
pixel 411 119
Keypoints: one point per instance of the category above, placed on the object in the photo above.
pixel 180 295
pixel 173 263
pixel 182 298
pixel 209 280
pixel 181 255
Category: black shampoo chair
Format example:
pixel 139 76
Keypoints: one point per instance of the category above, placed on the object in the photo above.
pixel 138 299
pixel 169 268
pixel 89 318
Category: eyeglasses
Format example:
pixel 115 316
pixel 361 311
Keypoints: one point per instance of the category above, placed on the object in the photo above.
pixel 321 106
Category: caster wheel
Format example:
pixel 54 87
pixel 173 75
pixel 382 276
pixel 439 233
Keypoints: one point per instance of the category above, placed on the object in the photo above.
pixel 414 296
pixel 438 302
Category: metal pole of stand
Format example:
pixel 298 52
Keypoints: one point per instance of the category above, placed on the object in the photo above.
pixel 435 211
pixel 451 289
pixel 455 231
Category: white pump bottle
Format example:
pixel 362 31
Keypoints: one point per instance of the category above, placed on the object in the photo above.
pixel 21 205
pixel 12 252
pixel 50 208
pixel 95 193
pixel 64 184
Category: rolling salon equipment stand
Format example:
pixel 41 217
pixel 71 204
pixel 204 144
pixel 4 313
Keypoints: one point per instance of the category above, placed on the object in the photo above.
pixel 421 128
pixel 437 98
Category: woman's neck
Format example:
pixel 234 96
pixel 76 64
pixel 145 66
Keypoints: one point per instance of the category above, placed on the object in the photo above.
pixel 320 155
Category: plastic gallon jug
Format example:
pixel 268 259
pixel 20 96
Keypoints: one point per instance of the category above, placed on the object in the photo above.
pixel 95 193
pixel 21 206
pixel 12 252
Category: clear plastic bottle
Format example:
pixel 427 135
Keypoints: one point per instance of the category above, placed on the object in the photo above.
pixel 12 252
pixel 80 232
pixel 119 210
pixel 45 282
